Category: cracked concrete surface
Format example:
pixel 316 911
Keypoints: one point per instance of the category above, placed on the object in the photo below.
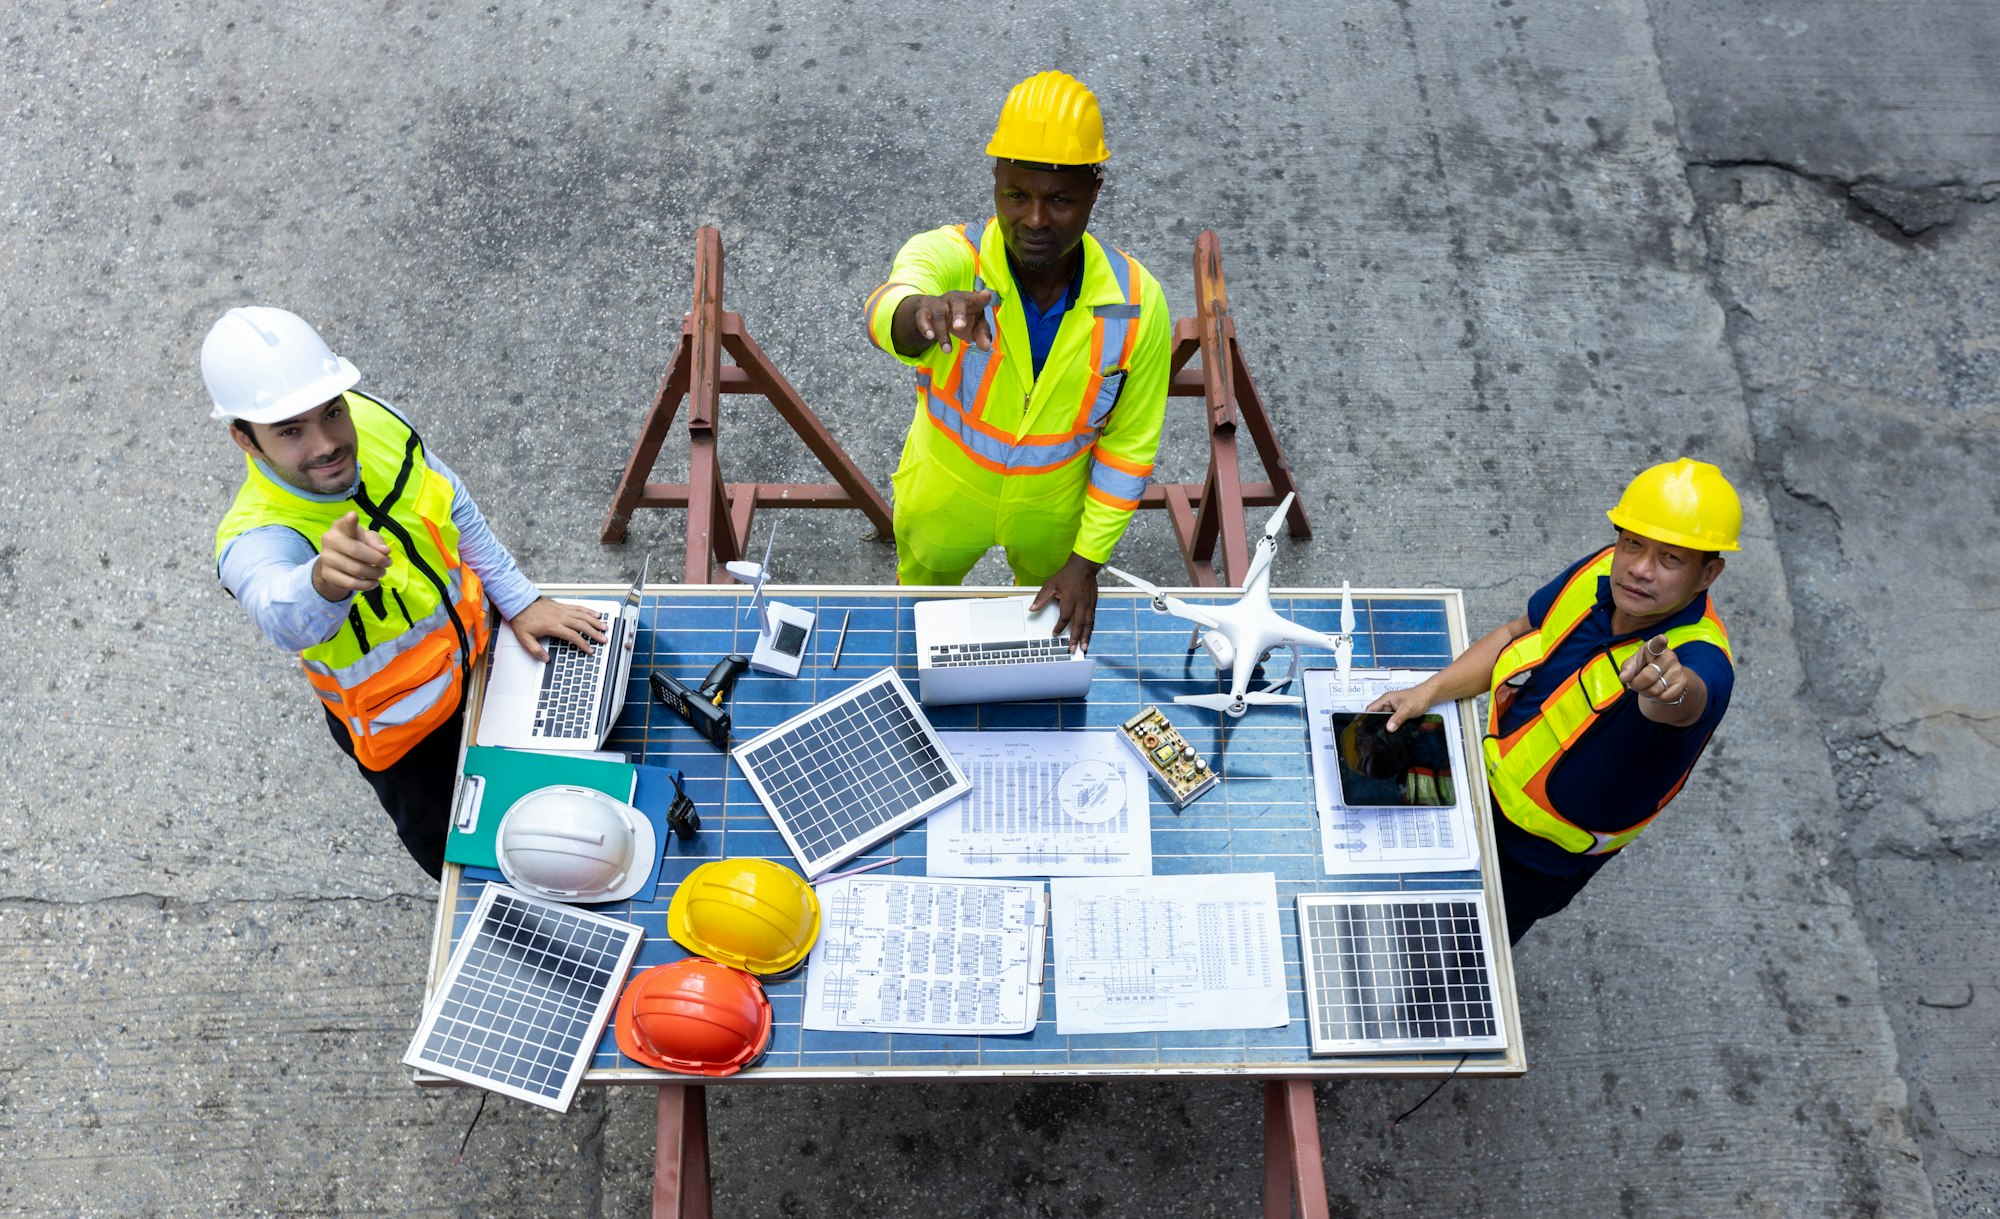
pixel 1869 364
pixel 1478 285
pixel 1856 245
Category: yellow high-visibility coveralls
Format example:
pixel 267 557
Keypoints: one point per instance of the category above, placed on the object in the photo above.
pixel 1042 466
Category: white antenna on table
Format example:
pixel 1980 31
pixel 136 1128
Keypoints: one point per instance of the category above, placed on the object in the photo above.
pixel 754 574
pixel 782 630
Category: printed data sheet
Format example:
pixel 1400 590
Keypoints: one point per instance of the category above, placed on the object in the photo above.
pixel 903 954
pixel 1410 809
pixel 1163 953
pixel 1043 804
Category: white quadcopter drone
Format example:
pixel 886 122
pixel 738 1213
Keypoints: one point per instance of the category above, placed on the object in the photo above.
pixel 1240 636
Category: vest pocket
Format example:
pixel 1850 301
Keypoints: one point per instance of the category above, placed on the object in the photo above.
pixel 421 666
pixel 1107 397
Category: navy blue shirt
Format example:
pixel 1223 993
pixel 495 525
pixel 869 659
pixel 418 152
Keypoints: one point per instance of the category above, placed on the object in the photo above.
pixel 1613 778
pixel 1042 326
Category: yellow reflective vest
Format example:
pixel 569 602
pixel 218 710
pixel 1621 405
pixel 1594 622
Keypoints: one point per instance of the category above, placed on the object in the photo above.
pixel 1076 443
pixel 396 668
pixel 1518 765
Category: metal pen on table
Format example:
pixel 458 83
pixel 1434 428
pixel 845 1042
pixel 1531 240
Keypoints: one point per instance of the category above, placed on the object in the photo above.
pixel 866 867
pixel 840 641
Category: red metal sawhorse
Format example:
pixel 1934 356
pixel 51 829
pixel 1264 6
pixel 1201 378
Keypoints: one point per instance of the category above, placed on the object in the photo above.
pixel 1204 515
pixel 718 513
pixel 1211 512
pixel 1292 1169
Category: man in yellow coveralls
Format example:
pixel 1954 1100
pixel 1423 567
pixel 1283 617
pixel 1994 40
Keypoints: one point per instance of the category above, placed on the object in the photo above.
pixel 1042 367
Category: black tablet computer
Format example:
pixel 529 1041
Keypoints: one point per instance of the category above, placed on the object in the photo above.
pixel 1381 769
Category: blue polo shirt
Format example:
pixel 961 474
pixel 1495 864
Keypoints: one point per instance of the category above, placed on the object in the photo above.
pixel 1613 778
pixel 1042 326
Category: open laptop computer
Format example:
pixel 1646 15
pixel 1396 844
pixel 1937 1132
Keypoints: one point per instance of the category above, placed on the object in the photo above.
pixel 570 700
pixel 992 650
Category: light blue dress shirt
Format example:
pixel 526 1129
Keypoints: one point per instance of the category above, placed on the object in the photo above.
pixel 269 569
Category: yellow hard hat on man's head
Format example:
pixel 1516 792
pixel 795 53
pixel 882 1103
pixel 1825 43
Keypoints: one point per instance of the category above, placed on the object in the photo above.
pixel 1682 503
pixel 1051 118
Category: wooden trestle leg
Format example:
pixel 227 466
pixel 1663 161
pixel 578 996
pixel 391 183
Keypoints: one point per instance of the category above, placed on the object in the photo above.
pixel 1292 1169
pixel 680 1162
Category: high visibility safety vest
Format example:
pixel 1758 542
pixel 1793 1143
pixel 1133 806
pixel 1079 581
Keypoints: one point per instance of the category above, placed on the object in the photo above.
pixel 397 666
pixel 1518 765
pixel 1086 430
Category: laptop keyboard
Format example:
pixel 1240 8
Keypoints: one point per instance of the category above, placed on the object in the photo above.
pixel 567 707
pixel 1016 651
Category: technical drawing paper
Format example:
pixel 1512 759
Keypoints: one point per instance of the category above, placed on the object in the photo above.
pixel 903 954
pixel 1043 804
pixel 1371 840
pixel 1164 953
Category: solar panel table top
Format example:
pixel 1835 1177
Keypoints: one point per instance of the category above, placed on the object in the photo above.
pixel 1260 818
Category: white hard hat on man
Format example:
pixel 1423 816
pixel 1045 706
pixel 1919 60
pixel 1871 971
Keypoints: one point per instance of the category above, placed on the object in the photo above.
pixel 265 365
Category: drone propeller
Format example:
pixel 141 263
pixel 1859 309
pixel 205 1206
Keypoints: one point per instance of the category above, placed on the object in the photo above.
pixel 1346 609
pixel 1162 603
pixel 1278 517
pixel 1145 586
pixel 1237 704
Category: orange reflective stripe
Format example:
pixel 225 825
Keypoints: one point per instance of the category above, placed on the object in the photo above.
pixel 993 361
pixel 1109 500
pixel 1088 398
pixel 868 310
pixel 1138 469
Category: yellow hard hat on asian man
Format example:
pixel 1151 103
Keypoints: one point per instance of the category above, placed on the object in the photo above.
pixel 1682 503
pixel 1051 118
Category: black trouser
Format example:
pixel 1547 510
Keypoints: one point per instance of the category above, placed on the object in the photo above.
pixel 1532 895
pixel 416 788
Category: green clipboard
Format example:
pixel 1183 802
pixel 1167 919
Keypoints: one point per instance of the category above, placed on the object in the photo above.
pixel 495 778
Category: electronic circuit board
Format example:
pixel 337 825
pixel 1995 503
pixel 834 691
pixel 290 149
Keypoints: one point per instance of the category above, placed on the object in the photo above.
pixel 1173 764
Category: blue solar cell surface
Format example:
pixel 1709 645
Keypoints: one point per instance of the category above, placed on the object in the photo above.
pixel 1259 819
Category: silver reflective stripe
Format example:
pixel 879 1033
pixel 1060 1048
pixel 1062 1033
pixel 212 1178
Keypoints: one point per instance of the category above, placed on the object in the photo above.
pixel 972 362
pixel 990 448
pixel 1114 482
pixel 415 703
pixel 383 653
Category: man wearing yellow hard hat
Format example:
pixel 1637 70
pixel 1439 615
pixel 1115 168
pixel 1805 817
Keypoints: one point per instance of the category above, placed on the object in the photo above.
pixel 1605 692
pixel 1042 363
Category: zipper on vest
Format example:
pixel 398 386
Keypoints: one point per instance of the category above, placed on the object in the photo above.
pixel 381 520
pixel 360 631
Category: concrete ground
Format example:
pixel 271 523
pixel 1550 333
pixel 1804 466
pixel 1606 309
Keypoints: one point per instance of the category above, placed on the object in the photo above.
pixel 1487 258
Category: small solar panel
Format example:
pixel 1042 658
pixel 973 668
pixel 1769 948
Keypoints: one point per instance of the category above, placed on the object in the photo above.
pixel 1398 971
pixel 851 771
pixel 525 997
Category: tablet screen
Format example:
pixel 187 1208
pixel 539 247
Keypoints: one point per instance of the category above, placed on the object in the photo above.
pixel 1383 769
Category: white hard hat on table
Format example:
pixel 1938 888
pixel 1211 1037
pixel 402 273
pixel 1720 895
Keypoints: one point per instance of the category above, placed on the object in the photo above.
pixel 574 844
pixel 264 365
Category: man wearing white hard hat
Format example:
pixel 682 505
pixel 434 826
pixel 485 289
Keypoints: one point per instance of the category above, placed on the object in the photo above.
pixel 352 545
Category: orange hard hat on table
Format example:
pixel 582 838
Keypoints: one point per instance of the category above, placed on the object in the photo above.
pixel 695 1017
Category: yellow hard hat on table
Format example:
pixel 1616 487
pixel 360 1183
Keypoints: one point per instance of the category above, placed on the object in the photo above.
pixel 751 914
pixel 1682 503
pixel 1051 118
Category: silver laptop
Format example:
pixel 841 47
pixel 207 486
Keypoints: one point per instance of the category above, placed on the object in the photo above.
pixel 570 700
pixel 992 650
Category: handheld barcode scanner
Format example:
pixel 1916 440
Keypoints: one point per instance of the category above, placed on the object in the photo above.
pixel 702 709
